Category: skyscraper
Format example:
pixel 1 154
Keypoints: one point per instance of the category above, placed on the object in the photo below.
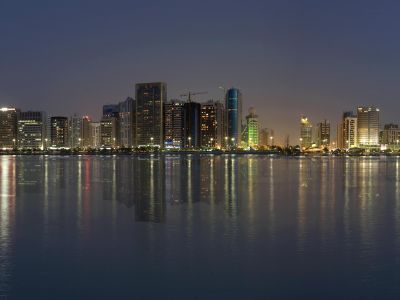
pixel 86 132
pixel 191 123
pixel 368 126
pixel 32 130
pixel 323 133
pixel 110 117
pixel 8 128
pixel 252 128
pixel 305 132
pixel 212 124
pixel 95 134
pixel 59 132
pixel 233 106
pixel 150 99
pixel 126 122
pixel 173 124
pixel 348 132
pixel 108 132
pixel 75 131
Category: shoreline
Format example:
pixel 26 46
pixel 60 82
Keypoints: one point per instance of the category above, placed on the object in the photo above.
pixel 268 153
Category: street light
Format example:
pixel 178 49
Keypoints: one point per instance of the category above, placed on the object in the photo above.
pixel 14 143
pixel 80 145
pixel 272 140
pixel 190 142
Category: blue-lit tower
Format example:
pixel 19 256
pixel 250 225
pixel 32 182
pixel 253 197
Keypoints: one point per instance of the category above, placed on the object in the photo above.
pixel 233 106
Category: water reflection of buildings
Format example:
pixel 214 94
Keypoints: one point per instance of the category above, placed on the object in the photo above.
pixel 138 183
pixel 150 183
pixel 7 218
pixel 149 190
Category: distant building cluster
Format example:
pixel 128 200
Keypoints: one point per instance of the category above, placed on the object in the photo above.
pixel 150 120
pixel 147 120
pixel 359 129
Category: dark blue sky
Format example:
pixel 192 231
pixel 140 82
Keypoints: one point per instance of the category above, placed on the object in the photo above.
pixel 289 57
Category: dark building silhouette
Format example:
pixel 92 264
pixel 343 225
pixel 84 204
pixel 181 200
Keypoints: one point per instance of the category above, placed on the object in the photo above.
pixel 173 124
pixel 59 132
pixel 192 125
pixel 150 99
pixel 233 106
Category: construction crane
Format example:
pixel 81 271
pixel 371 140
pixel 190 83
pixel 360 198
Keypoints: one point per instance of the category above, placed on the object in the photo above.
pixel 190 94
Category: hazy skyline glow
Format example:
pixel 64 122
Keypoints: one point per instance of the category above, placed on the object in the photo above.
pixel 316 58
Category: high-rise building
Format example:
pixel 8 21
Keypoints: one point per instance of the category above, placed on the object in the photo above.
pixel 347 132
pixel 212 124
pixel 192 125
pixel 391 135
pixel 252 129
pixel 108 132
pixel 32 130
pixel 86 132
pixel 368 126
pixel 323 133
pixel 233 106
pixel 305 132
pixel 59 132
pixel 95 135
pixel 173 124
pixel 150 99
pixel 8 128
pixel 111 111
pixel 75 131
pixel 126 123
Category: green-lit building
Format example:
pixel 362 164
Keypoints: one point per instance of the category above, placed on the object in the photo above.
pixel 252 129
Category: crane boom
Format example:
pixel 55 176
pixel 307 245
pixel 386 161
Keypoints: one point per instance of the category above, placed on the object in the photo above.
pixel 190 94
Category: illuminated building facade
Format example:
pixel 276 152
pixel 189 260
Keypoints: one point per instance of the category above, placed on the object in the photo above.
pixel 233 106
pixel 368 126
pixel 32 130
pixel 86 132
pixel 59 132
pixel 323 134
pixel 150 99
pixel 212 124
pixel 252 129
pixel 75 131
pixel 8 128
pixel 305 132
pixel 173 124
pixel 108 132
pixel 349 137
pixel 95 135
pixel 391 135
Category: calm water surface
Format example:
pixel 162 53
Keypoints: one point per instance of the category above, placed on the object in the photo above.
pixel 199 227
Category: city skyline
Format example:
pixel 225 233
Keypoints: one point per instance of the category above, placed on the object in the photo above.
pixel 288 59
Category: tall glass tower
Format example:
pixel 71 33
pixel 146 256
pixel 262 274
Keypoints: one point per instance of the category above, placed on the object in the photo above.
pixel 150 99
pixel 233 106
pixel 368 126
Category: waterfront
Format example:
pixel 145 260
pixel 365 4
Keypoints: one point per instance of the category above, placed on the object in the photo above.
pixel 199 227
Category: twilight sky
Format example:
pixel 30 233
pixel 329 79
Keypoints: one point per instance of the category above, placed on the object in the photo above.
pixel 289 57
